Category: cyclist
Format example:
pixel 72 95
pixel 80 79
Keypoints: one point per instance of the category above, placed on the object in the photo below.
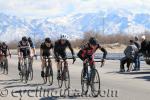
pixel 23 50
pixel 60 51
pixel 87 53
pixel 5 49
pixel 45 51
pixel 32 48
pixel 4 52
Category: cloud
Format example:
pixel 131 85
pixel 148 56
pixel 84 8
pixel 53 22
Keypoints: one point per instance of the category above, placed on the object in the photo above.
pixel 52 8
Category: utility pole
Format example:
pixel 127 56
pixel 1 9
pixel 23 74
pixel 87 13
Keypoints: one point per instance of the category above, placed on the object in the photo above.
pixel 103 24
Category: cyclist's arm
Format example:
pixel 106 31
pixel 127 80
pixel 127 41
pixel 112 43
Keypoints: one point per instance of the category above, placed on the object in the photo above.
pixel 71 49
pixel 104 52
pixel 33 48
pixel 29 47
pixel 18 49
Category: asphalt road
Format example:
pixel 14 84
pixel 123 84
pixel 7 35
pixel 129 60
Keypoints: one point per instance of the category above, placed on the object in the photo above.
pixel 114 85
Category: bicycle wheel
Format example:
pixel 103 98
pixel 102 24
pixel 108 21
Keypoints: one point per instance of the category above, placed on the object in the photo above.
pixel 30 72
pixel 26 77
pixel 50 75
pixel 95 85
pixel 6 66
pixel 60 81
pixel 21 73
pixel 26 72
pixel 67 79
pixel 84 83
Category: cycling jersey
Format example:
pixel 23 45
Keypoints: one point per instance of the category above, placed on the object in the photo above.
pixel 87 52
pixel 4 49
pixel 46 49
pixel 24 48
pixel 60 49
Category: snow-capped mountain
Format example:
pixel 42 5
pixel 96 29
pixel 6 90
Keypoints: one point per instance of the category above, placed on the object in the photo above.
pixel 114 21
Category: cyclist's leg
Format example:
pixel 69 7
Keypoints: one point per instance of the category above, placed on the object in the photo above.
pixel 58 66
pixel 42 66
pixel 20 59
pixel 64 57
pixel 92 66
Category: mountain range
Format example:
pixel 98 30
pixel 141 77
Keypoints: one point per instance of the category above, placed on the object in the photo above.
pixel 74 25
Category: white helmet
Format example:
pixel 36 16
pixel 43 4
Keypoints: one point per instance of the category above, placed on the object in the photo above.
pixel 63 37
pixel 143 37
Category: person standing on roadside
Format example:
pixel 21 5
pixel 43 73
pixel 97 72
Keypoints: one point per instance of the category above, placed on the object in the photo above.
pixel 137 56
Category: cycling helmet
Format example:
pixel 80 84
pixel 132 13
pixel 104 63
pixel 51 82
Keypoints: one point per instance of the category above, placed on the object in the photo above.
pixel 24 38
pixel 29 39
pixel 3 43
pixel 47 40
pixel 93 41
pixel 136 38
pixel 143 37
pixel 63 37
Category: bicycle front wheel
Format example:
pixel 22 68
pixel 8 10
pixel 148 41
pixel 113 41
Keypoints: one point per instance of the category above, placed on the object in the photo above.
pixel 30 72
pixel 84 83
pixel 67 79
pixel 50 75
pixel 60 79
pixel 95 85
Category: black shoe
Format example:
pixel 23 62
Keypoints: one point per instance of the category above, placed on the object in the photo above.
pixel 134 69
pixel 122 70
pixel 128 70
pixel 19 68
pixel 42 74
pixel 58 76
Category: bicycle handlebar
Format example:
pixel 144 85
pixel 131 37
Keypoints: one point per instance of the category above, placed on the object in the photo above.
pixel 102 63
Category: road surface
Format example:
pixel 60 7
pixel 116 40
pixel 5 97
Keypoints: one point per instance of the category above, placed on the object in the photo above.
pixel 114 85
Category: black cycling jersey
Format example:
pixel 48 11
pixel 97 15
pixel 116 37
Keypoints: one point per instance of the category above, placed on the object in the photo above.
pixel 24 48
pixel 46 50
pixel 60 49
pixel 4 49
pixel 31 44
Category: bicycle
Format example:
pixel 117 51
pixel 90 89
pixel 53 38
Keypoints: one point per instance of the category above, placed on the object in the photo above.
pixel 64 75
pixel 26 72
pixel 48 71
pixel 91 80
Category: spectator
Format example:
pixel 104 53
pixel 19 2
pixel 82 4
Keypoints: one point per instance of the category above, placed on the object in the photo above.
pixel 145 49
pixel 137 56
pixel 129 56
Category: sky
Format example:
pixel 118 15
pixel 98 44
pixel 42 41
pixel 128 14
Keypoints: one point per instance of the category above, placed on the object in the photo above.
pixel 53 8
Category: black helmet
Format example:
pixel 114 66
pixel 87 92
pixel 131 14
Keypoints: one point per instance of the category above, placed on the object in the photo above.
pixel 24 38
pixel 47 40
pixel 29 39
pixel 93 41
pixel 3 43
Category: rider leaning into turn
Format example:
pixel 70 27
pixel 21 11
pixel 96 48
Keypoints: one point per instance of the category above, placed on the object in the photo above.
pixel 24 50
pixel 87 54
pixel 45 51
pixel 60 51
